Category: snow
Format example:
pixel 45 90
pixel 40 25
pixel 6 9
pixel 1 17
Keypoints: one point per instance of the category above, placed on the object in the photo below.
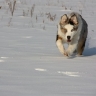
pixel 30 63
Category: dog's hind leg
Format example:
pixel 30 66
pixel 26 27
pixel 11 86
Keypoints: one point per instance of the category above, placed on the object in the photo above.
pixel 81 45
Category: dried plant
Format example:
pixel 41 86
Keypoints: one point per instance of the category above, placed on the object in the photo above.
pixel 29 11
pixel 43 27
pixel 65 8
pixel 80 12
pixel 43 21
pixel 0 7
pixel 9 23
pixel 41 13
pixel 23 1
pixel 36 18
pixel 49 16
pixel 58 1
pixel 32 10
pixel 12 6
pixel 25 13
pixel 7 1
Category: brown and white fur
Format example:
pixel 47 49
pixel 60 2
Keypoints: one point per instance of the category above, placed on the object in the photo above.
pixel 72 29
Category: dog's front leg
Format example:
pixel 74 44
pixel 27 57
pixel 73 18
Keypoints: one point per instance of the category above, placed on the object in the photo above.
pixel 71 48
pixel 60 46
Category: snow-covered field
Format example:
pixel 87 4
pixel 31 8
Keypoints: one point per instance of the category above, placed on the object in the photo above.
pixel 30 63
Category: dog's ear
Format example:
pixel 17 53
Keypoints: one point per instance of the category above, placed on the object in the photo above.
pixel 64 19
pixel 74 20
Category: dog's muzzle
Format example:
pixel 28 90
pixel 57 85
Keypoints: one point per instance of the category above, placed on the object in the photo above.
pixel 68 38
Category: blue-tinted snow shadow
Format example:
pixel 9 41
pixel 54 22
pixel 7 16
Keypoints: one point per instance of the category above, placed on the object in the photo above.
pixel 89 51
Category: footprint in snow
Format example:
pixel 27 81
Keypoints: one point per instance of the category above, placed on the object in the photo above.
pixel 67 73
pixel 27 37
pixel 2 59
pixel 73 74
pixel 40 69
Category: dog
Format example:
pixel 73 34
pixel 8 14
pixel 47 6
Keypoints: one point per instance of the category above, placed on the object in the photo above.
pixel 73 30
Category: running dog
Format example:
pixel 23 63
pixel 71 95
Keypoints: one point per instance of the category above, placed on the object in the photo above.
pixel 73 30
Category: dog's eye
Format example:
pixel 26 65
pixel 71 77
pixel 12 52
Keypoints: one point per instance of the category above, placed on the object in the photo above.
pixel 65 30
pixel 74 29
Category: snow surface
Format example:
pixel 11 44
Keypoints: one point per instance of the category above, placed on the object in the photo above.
pixel 30 63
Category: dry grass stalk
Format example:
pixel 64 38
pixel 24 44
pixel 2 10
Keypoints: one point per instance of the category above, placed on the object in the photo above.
pixel 26 13
pixel 0 7
pixel 9 23
pixel 43 27
pixel 80 12
pixel 32 10
pixel 36 18
pixel 49 16
pixel 12 6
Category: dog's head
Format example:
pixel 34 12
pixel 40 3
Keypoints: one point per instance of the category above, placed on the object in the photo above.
pixel 70 31
pixel 69 26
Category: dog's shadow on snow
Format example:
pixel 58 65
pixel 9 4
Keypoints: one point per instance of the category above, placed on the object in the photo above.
pixel 89 51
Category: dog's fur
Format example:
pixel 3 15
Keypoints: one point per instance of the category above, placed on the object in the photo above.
pixel 72 29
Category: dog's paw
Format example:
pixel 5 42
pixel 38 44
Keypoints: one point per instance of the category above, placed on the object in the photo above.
pixel 65 54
